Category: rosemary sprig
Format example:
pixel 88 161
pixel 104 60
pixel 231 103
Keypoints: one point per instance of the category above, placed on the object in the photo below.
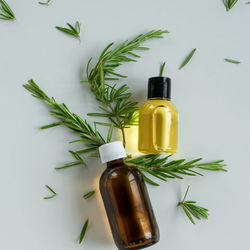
pixel 161 168
pixel 73 31
pixel 5 11
pixel 45 3
pixel 192 210
pixel 230 4
pixel 232 61
pixel 116 103
pixel 247 2
pixel 83 232
pixel 188 59
pixel 89 194
pixel 162 69
pixel 52 191
pixel 90 136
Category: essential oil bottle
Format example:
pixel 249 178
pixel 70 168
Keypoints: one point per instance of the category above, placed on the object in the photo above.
pixel 126 201
pixel 158 119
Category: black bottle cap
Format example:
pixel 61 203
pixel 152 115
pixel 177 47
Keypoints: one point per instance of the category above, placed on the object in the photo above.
pixel 159 87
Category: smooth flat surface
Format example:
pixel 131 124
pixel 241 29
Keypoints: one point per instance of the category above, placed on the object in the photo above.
pixel 212 96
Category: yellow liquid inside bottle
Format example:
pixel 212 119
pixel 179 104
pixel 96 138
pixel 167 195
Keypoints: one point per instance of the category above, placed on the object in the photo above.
pixel 158 127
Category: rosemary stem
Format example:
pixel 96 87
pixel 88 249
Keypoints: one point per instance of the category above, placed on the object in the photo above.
pixel 185 194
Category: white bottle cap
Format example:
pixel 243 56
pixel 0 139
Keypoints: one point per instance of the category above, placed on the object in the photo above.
pixel 112 151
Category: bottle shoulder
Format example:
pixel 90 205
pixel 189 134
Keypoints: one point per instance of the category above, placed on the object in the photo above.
pixel 151 104
pixel 123 171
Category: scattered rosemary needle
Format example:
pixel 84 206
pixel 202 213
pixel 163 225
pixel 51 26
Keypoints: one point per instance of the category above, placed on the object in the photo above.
pixel 45 3
pixel 232 61
pixel 188 59
pixel 89 194
pixel 73 31
pixel 5 11
pixel 52 191
pixel 83 232
pixel 230 4
pixel 162 68
pixel 191 210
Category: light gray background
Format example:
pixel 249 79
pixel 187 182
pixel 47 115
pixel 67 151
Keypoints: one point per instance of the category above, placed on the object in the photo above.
pixel 212 97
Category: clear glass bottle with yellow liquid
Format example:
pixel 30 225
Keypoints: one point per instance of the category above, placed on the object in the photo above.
pixel 158 119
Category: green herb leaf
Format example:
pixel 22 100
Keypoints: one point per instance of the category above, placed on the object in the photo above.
pixel 188 59
pixel 83 232
pixel 232 61
pixel 162 68
pixel 230 4
pixel 192 210
pixel 52 125
pixel 5 11
pixel 88 194
pixel 52 191
pixel 45 3
pixel 110 133
pixel 73 31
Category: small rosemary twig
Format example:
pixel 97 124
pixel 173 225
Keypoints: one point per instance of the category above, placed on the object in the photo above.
pixel 73 31
pixel 192 210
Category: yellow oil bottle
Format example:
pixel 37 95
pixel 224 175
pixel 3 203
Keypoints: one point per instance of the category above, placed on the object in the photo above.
pixel 158 119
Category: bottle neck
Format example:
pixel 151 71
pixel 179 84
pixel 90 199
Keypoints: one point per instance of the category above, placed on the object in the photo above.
pixel 159 98
pixel 115 163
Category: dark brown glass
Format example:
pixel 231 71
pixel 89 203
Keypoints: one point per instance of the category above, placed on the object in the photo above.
pixel 128 206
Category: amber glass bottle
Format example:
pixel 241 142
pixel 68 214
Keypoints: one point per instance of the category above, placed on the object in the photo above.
pixel 158 119
pixel 126 201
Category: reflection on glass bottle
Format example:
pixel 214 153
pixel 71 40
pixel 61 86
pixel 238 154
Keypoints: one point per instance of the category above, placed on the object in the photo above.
pixel 126 201
pixel 158 119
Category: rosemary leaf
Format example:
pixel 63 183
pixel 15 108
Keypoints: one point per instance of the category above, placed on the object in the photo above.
pixel 162 68
pixel 188 59
pixel 89 194
pixel 232 61
pixel 45 3
pixel 70 164
pixel 51 125
pixel 49 197
pixel 52 191
pixel 5 11
pixel 230 4
pixel 83 232
pixel 149 181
